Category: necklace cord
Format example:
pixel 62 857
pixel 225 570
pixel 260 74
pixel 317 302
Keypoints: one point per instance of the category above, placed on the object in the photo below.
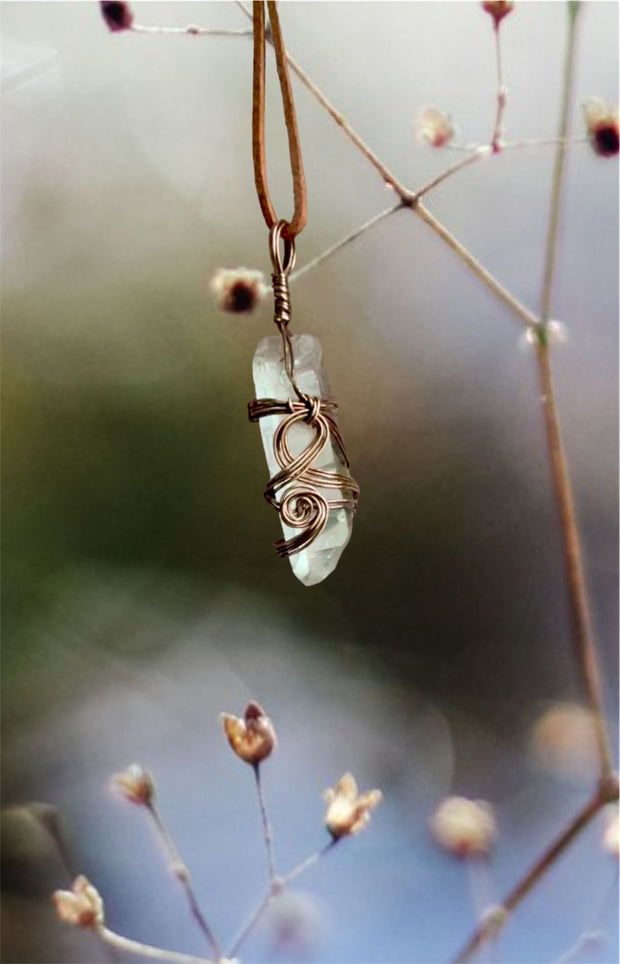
pixel 290 229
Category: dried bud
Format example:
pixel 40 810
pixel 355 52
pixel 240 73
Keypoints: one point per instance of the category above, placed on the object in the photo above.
pixel 347 811
pixel 118 16
pixel 253 738
pixel 238 291
pixel 435 127
pixel 611 837
pixel 498 9
pixel 81 906
pixel 466 828
pixel 602 127
pixel 136 785
pixel 564 740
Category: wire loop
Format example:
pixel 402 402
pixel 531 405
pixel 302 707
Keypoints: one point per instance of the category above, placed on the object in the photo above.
pixel 282 264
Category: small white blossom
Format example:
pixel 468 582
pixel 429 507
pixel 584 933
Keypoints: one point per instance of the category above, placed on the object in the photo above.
pixel 435 127
pixel 81 906
pixel 135 784
pixel 464 827
pixel 348 811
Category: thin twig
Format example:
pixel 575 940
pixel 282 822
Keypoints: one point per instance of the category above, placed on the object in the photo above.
pixel 190 29
pixel 491 924
pixel 267 831
pixel 527 317
pixel 250 924
pixel 580 606
pixel 496 143
pixel 558 169
pixel 183 876
pixel 277 885
pixel 125 944
pixel 329 252
pixel 310 861
pixel 478 154
pixel 579 601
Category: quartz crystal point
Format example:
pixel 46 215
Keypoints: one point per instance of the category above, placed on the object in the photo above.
pixel 316 561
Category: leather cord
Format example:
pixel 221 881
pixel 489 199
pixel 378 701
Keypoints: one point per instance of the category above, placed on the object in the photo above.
pixel 290 229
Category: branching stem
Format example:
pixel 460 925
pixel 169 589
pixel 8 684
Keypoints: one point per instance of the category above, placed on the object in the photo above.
pixel 558 168
pixel 277 885
pixel 127 946
pixel 339 245
pixel 492 923
pixel 309 861
pixel 583 638
pixel 182 874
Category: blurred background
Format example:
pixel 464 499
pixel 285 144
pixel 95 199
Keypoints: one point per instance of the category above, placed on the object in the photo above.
pixel 142 595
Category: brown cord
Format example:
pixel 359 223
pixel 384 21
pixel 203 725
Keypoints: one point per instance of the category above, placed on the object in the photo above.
pixel 293 227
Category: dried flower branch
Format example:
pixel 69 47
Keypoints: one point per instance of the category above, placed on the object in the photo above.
pixel 82 906
pixel 253 739
pixel 138 786
pixel 490 927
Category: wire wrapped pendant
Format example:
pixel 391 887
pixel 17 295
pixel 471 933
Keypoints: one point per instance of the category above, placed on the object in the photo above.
pixel 310 485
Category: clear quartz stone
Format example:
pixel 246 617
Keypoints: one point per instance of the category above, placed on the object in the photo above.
pixel 316 561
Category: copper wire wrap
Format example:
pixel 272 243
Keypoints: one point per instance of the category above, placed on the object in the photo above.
pixel 294 490
pixel 301 504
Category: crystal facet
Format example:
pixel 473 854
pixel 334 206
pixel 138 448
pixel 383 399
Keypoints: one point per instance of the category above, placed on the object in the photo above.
pixel 316 561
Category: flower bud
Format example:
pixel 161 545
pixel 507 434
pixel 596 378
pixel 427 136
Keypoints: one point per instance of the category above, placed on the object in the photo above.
pixel 238 291
pixel 348 812
pixel 81 906
pixel 602 127
pixel 118 16
pixel 498 9
pixel 253 738
pixel 465 828
pixel 435 127
pixel 564 741
pixel 136 785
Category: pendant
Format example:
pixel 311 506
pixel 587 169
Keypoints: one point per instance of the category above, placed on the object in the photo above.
pixel 311 486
